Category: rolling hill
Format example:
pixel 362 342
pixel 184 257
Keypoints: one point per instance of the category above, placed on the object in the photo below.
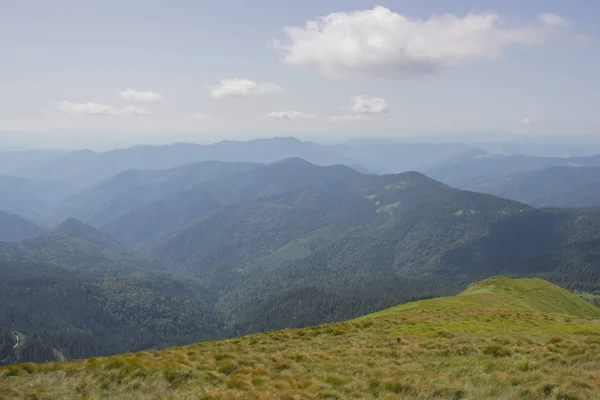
pixel 500 338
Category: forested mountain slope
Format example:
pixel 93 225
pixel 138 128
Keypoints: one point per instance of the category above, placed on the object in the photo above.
pixel 76 292
pixel 133 188
pixel 144 225
pixel 77 245
pixel 500 339
pixel 14 228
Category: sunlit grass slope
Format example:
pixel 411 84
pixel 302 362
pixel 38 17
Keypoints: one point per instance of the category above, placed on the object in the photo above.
pixel 499 339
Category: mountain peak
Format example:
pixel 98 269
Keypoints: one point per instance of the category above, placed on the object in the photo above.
pixel 70 224
pixel 77 229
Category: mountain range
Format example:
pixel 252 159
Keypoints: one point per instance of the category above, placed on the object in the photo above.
pixel 86 167
pixel 217 249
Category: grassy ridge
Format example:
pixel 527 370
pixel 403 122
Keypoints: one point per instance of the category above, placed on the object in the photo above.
pixel 501 339
pixel 526 294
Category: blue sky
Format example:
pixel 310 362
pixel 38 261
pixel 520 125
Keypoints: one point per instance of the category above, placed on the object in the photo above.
pixel 162 71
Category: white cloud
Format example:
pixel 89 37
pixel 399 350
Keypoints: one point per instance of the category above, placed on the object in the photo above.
pixel 135 95
pixel 345 118
pixel 526 121
pixel 199 116
pixel 380 42
pixel 85 108
pixel 553 20
pixel 237 87
pixel 96 109
pixel 133 110
pixel 290 115
pixel 366 105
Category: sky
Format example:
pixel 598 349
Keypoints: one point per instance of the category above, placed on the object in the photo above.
pixel 107 73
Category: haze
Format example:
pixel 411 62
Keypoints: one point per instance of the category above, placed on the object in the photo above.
pixel 113 74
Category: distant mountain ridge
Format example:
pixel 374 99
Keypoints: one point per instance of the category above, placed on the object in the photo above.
pixel 552 187
pixel 464 170
pixel 86 167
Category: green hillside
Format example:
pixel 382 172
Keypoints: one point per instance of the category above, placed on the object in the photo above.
pixel 500 338
pixel 526 294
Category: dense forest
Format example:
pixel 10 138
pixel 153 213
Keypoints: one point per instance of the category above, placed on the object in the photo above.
pixel 220 249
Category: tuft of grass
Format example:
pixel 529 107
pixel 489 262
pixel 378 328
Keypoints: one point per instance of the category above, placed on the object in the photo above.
pixel 176 376
pixel 496 350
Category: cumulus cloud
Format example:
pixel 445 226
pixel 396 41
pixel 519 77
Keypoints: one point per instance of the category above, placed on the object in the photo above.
pixel 199 116
pixel 366 105
pixel 289 115
pixel 346 118
pixel 135 95
pixel 96 109
pixel 238 87
pixel 526 121
pixel 380 42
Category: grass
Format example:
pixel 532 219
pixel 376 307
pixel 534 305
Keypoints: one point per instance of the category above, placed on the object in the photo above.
pixel 500 339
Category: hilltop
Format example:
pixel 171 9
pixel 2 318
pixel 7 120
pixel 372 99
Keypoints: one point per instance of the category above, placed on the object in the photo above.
pixel 500 338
